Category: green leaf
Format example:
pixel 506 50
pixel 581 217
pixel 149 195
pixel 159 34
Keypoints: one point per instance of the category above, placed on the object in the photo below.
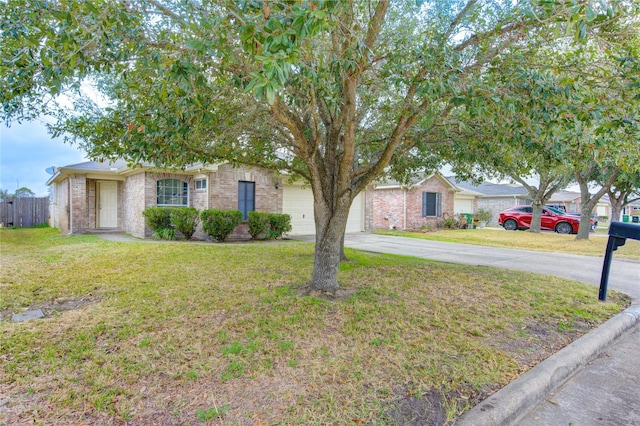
pixel 590 14
pixel 271 94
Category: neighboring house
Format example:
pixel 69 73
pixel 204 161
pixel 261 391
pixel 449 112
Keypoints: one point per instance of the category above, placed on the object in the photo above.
pixel 572 202
pixel 569 199
pixel 494 197
pixel 497 197
pixel 424 202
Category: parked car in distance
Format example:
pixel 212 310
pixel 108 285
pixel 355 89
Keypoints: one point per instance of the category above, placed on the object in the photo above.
pixel 594 219
pixel 560 207
pixel 519 217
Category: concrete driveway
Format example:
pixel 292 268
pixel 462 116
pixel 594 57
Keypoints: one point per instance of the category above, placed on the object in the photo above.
pixel 624 276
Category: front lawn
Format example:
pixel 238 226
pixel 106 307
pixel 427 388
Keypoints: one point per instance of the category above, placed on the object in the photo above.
pixel 182 333
pixel 524 240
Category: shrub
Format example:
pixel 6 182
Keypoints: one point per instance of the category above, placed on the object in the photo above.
pixel 484 215
pixel 158 219
pixel 185 220
pixel 448 223
pixel 165 234
pixel 258 224
pixel 278 225
pixel 219 224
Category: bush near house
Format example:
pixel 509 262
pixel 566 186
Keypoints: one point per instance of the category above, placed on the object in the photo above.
pixel 268 225
pixel 258 224
pixel 159 220
pixel 185 220
pixel 278 225
pixel 219 224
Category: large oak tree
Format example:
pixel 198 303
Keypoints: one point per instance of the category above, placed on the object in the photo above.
pixel 335 92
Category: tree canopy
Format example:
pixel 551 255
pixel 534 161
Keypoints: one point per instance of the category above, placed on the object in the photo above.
pixel 568 114
pixel 336 92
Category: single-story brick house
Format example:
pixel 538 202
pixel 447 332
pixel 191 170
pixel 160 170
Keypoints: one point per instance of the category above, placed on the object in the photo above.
pixel 423 202
pixel 494 197
pixel 110 196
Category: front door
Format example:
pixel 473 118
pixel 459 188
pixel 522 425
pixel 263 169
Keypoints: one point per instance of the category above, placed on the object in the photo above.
pixel 108 205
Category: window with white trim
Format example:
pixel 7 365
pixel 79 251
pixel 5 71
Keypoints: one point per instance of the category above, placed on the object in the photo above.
pixel 172 192
pixel 200 184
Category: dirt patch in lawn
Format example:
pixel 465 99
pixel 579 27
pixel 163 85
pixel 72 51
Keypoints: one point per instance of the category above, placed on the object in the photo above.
pixel 51 308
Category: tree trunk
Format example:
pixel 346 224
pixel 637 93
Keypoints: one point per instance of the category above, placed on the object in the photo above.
pixel 587 204
pixel 548 184
pixel 536 218
pixel 617 206
pixel 343 256
pixel 330 226
pixel 589 201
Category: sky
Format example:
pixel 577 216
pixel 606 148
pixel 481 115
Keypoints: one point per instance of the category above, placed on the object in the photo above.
pixel 26 151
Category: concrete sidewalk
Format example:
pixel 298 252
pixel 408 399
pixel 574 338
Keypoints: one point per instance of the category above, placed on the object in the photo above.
pixel 593 381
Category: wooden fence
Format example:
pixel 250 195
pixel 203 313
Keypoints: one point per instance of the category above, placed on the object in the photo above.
pixel 24 212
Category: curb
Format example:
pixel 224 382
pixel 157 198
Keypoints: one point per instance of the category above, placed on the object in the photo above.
pixel 511 403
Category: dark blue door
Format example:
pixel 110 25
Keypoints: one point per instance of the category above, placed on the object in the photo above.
pixel 246 197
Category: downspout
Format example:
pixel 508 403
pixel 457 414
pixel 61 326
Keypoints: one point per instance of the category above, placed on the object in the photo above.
pixel 404 207
pixel 69 200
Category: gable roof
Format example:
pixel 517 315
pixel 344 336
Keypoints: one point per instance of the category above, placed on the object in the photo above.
pixel 117 168
pixel 490 189
pixel 415 181
pixel 562 196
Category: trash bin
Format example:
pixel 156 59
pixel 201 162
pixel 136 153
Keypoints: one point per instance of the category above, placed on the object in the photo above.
pixel 635 219
pixel 469 217
pixel 625 218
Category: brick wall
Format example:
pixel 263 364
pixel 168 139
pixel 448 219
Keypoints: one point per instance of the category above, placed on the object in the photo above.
pixel 223 192
pixel 60 206
pixel 389 205
pixel 368 207
pixel 91 203
pixel 133 202
pixel 497 204
pixel 79 213
pixel 388 208
pixel 223 188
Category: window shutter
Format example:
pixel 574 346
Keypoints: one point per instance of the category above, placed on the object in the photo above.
pixel 438 204
pixel 424 204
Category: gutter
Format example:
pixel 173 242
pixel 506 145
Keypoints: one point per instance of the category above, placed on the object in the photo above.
pixel 404 206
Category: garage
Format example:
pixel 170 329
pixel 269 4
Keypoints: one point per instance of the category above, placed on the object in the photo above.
pixel 297 201
pixel 462 204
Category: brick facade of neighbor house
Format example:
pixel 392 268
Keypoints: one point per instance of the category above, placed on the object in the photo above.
pixel 368 209
pixel 395 207
pixel 497 204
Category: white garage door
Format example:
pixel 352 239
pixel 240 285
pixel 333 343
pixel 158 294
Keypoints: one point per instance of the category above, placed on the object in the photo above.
pixel 298 202
pixel 462 205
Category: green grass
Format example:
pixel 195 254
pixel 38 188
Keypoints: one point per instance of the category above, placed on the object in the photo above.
pixel 193 333
pixel 524 240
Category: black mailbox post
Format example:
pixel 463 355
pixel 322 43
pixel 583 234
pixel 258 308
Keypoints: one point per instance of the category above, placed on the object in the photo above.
pixel 618 234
